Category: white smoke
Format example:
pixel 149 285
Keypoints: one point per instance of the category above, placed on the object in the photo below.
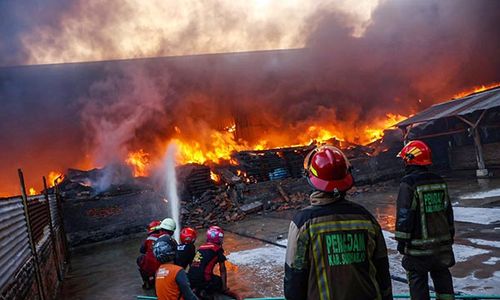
pixel 114 112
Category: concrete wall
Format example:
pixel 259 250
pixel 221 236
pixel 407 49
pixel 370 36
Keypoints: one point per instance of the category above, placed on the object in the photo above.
pixel 92 220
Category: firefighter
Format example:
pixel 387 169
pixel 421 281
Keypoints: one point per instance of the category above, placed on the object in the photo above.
pixel 186 250
pixel 171 280
pixel 147 262
pixel 336 249
pixel 424 224
pixel 201 275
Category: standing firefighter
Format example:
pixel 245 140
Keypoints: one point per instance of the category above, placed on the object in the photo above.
pixel 424 225
pixel 336 249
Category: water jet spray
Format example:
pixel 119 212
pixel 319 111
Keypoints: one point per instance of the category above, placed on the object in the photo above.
pixel 171 184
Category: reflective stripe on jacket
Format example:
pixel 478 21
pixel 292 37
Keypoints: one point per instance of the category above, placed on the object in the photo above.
pixel 149 263
pixel 336 250
pixel 424 222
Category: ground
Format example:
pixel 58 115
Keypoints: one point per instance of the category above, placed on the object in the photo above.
pixel 108 270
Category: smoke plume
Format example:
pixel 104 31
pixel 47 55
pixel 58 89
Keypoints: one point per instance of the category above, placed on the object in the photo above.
pixel 357 65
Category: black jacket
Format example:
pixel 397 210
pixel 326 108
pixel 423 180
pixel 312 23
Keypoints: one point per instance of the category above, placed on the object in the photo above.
pixel 424 222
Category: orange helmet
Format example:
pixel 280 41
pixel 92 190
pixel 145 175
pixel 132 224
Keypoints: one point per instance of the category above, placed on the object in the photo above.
pixel 416 153
pixel 188 235
pixel 153 226
pixel 328 170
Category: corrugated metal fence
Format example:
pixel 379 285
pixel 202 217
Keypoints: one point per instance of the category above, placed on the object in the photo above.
pixel 14 242
pixel 32 247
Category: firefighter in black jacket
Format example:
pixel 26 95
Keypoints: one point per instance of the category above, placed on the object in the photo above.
pixel 424 225
pixel 336 249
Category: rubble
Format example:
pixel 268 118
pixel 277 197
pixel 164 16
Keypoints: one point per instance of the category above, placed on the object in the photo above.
pixel 211 208
pixel 272 164
pixel 252 207
pixel 229 204
pixel 194 180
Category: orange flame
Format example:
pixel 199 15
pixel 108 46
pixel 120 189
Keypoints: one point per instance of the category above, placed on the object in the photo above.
pixel 54 177
pixel 476 89
pixel 31 191
pixel 139 161
pixel 377 132
pixel 221 144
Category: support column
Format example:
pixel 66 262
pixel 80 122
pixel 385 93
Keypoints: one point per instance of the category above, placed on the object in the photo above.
pixel 481 166
pixel 474 132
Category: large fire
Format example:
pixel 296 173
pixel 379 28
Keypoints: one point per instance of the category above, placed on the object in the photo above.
pixel 221 144
pixel 476 89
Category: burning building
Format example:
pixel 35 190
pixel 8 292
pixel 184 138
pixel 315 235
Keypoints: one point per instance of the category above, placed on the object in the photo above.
pixel 92 114
pixel 463 133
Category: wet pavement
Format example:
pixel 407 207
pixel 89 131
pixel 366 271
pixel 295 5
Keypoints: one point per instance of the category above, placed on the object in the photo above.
pixel 108 270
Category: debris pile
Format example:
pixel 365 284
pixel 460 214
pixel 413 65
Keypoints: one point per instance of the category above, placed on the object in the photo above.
pixel 194 180
pixel 109 181
pixel 272 164
pixel 229 204
pixel 211 208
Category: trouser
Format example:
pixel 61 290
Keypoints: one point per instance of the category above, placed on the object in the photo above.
pixel 147 279
pixel 214 285
pixel 418 269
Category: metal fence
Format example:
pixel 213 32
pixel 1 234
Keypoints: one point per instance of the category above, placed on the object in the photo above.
pixel 33 247
pixel 14 241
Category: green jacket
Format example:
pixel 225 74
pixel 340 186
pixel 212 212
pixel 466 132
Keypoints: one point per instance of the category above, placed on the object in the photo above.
pixel 424 222
pixel 336 250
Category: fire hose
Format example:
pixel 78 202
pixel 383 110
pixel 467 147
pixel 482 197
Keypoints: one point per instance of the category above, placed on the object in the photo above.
pixel 393 277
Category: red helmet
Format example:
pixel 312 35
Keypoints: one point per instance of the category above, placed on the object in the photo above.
pixel 328 169
pixel 215 235
pixel 153 226
pixel 188 235
pixel 416 153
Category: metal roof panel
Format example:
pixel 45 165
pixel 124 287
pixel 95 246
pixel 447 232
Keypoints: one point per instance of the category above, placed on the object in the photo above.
pixel 463 106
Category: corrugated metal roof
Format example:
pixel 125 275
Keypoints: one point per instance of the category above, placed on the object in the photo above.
pixel 459 107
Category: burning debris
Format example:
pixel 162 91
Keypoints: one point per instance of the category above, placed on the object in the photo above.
pixel 110 181
pixel 251 182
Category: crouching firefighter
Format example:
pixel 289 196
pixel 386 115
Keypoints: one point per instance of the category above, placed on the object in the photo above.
pixel 147 262
pixel 336 249
pixel 424 225
pixel 171 280
pixel 186 250
pixel 201 273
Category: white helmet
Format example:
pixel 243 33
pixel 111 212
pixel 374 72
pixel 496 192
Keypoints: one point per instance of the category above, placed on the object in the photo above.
pixel 168 224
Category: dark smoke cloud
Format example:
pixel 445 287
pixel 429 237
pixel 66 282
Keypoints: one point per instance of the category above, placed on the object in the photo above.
pixel 84 115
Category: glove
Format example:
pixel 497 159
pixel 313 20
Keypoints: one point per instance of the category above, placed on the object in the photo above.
pixel 401 247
